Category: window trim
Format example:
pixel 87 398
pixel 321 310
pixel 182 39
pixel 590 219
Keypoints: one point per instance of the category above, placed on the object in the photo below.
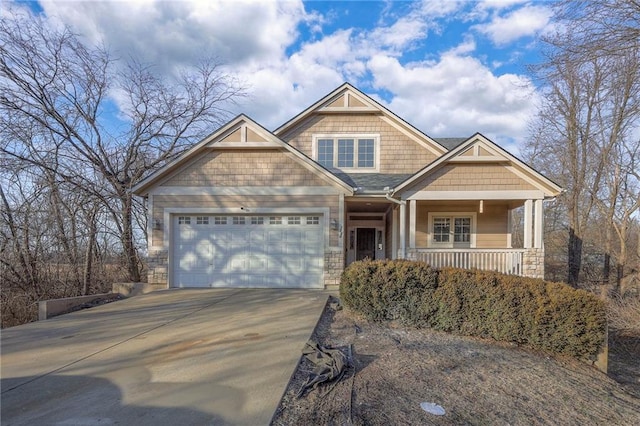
pixel 355 137
pixel 452 215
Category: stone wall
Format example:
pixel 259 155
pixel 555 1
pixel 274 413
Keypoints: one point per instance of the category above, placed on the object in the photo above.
pixel 157 267
pixel 333 267
pixel 533 263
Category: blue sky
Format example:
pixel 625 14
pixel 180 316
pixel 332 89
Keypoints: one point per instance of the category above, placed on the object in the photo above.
pixel 451 68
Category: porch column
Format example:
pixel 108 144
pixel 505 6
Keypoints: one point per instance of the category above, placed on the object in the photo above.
pixel 394 234
pixel 403 230
pixel 528 213
pixel 538 224
pixel 510 228
pixel 412 224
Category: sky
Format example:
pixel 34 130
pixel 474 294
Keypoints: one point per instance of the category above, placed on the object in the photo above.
pixel 450 68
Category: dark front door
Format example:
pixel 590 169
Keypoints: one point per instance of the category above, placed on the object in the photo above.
pixel 366 243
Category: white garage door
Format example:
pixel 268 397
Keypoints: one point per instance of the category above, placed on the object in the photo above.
pixel 248 251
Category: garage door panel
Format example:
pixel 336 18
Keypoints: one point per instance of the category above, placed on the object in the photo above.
pixel 246 251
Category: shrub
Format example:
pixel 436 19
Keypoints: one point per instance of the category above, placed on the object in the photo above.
pixel 532 312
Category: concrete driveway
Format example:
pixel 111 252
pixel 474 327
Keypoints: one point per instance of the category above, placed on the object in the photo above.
pixel 174 357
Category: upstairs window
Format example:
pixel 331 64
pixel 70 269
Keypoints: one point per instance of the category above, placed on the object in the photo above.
pixel 354 153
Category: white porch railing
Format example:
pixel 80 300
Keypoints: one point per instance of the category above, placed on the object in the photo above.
pixel 506 261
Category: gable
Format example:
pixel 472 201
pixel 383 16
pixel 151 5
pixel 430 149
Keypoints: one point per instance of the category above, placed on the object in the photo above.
pixel 242 153
pixel 478 165
pixel 398 153
pixel 472 177
pixel 349 112
pixel 251 167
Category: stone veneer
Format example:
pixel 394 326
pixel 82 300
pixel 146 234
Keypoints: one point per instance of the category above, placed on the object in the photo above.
pixel 333 267
pixel 157 266
pixel 533 263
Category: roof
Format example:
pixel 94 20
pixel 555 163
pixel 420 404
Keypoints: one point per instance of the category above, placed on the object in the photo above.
pixel 450 143
pixel 372 181
pixel 552 188
pixel 216 139
pixel 370 106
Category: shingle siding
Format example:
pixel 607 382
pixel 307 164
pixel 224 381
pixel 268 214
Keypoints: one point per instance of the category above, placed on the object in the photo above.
pixel 245 168
pixel 398 153
pixel 470 177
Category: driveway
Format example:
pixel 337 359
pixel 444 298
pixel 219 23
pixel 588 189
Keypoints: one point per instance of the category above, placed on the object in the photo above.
pixel 171 357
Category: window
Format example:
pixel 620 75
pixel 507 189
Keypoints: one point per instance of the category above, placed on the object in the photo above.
pixel 202 220
pixel 184 220
pixel 441 229
pixel 366 154
pixel 293 220
pixel 220 220
pixel 325 152
pixel 238 220
pixel 462 230
pixel 353 153
pixel 313 220
pixel 275 220
pixel 453 230
pixel 257 220
pixel 345 153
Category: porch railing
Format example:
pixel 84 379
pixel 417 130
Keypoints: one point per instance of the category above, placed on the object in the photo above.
pixel 506 261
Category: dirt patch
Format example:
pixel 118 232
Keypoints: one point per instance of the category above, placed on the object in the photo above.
pixel 394 369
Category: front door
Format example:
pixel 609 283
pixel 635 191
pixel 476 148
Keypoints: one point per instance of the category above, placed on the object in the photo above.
pixel 365 243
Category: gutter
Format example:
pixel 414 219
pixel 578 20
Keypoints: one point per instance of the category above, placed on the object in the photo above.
pixel 388 196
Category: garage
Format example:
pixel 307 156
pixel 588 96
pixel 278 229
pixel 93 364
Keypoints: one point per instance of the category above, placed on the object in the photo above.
pixel 283 251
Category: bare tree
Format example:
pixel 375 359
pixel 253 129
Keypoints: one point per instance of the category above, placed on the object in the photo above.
pixel 56 94
pixel 585 135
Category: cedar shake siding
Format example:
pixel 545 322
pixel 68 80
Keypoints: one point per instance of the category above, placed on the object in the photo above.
pixel 245 168
pixel 398 153
pixel 470 177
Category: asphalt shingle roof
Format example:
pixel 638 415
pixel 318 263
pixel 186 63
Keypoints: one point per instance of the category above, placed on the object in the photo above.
pixel 450 143
pixel 373 181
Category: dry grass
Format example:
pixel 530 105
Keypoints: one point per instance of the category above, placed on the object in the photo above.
pixel 477 382
pixel 624 342
pixel 624 314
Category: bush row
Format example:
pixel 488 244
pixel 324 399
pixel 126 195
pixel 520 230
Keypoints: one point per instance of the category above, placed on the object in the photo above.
pixel 532 312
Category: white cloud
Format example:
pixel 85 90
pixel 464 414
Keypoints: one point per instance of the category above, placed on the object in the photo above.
pixel 499 4
pixel 454 95
pixel 171 33
pixel 526 21
pixel 457 96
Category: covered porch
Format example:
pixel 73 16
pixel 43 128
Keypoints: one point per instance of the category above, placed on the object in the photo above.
pixel 460 233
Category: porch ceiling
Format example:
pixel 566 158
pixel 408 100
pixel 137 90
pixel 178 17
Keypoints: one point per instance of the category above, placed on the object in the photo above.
pixel 367 206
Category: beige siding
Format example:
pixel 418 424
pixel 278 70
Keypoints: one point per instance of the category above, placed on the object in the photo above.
pixel 398 153
pixel 338 102
pixel 469 177
pixel 253 136
pixel 160 202
pixel 235 136
pixel 245 168
pixel 354 102
pixel 491 224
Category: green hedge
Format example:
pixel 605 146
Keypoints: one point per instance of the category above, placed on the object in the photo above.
pixel 532 312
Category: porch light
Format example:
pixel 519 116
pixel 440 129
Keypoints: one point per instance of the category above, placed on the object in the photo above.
pixel 157 224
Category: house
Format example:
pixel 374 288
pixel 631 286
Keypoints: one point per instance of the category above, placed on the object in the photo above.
pixel 344 180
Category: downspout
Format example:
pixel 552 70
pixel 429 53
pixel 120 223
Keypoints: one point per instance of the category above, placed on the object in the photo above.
pixel 403 218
